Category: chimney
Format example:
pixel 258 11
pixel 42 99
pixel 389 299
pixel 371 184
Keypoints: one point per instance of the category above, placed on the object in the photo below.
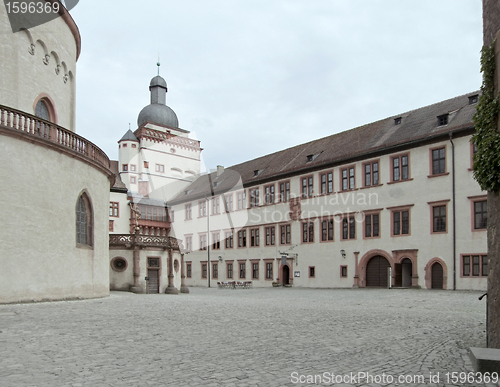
pixel 220 170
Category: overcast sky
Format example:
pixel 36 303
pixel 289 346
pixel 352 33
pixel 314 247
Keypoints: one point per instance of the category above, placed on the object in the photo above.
pixel 251 77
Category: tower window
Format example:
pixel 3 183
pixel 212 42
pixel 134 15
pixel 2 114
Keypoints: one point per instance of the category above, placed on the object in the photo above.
pixel 84 220
pixel 42 110
pixel 397 121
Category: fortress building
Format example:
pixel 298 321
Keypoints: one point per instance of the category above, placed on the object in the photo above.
pixel 55 183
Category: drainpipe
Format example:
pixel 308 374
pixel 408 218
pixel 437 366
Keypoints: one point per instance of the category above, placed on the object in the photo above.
pixel 212 194
pixel 454 213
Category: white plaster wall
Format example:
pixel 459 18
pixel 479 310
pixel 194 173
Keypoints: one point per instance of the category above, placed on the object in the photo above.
pixel 122 222
pixel 25 76
pixel 325 256
pixel 39 258
pixel 121 280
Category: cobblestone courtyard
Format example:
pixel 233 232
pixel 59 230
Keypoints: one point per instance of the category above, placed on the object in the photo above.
pixel 255 337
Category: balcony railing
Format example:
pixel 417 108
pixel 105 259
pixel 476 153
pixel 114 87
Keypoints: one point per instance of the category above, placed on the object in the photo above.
pixel 129 240
pixel 37 127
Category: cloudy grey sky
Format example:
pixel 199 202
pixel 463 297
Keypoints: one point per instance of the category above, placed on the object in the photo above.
pixel 251 77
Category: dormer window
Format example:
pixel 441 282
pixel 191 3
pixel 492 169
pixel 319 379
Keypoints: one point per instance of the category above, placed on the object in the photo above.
pixel 312 157
pixel 473 99
pixel 397 121
pixel 257 172
pixel 443 120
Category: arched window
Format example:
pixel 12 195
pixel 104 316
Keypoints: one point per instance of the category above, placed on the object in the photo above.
pixel 42 110
pixel 84 221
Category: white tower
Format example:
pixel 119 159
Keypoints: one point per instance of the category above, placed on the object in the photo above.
pixel 159 159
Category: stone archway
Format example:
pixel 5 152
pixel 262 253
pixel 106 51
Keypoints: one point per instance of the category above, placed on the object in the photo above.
pixel 441 272
pixel 363 263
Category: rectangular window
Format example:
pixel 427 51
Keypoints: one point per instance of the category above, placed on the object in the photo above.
pixel 113 209
pixel 480 215
pixel 242 238
pixel 400 168
pixel 228 202
pixel 189 243
pixel 270 236
pixel 254 197
pixel 133 180
pixel 439 219
pixel 188 270
pixel 255 270
pixel 202 207
pixel 284 191
pixel 229 270
pixel 216 241
pixel 326 180
pixel 215 271
pixel 348 228
pixel 125 167
pixel 474 265
pixel 146 165
pixel 372 225
pixel 203 270
pixel 229 240
pixel 254 237
pixel 285 234
pixel 438 161
pixel 215 205
pixel 401 222
pixel 327 230
pixel 307 187
pixel 348 179
pixel 343 271
pixel 371 174
pixel 243 273
pixel 111 226
pixel 269 194
pixel 241 200
pixel 132 167
pixel 269 270
pixel 160 168
pixel 307 232
pixel 312 271
pixel 188 212
pixel 203 242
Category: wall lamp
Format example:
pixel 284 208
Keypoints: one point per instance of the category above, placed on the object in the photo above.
pixel 342 252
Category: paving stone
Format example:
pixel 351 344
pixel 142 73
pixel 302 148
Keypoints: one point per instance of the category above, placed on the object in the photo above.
pixel 260 337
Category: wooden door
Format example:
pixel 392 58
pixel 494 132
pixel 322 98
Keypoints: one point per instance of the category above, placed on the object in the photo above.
pixel 377 271
pixel 154 281
pixel 437 276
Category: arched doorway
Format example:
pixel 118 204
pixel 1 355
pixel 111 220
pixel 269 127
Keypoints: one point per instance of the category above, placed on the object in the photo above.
pixel 286 275
pixel 377 271
pixel 403 273
pixel 406 267
pixel 437 276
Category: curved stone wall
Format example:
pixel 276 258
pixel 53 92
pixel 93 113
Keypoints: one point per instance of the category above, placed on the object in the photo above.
pixel 40 257
pixel 40 63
